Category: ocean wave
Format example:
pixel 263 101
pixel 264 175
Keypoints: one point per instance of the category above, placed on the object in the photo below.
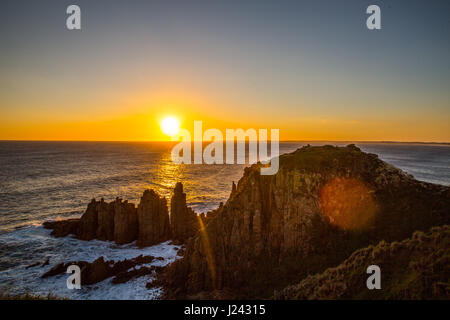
pixel 24 247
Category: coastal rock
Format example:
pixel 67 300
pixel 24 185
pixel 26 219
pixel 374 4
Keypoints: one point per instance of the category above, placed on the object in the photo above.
pixel 183 220
pixel 125 276
pixel 57 269
pixel 323 204
pixel 122 222
pixel 417 268
pixel 97 271
pixel 100 269
pixel 125 222
pixel 87 228
pixel 62 228
pixel 116 221
pixel 105 230
pixel 153 219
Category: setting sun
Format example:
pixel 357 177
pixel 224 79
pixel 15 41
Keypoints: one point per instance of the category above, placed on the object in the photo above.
pixel 170 126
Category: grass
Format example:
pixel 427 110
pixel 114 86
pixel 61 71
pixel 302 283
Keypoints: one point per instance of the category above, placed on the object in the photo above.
pixel 28 296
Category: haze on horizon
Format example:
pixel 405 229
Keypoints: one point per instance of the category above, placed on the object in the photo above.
pixel 309 68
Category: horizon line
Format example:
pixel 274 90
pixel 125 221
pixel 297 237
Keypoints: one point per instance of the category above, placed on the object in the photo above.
pixel 148 141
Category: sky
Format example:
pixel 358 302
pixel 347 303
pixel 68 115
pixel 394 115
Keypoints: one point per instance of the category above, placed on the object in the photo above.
pixel 311 69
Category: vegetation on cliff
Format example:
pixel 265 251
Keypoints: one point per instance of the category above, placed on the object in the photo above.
pixel 415 268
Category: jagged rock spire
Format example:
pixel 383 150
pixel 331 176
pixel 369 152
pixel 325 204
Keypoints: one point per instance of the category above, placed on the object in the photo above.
pixel 182 219
pixel 153 219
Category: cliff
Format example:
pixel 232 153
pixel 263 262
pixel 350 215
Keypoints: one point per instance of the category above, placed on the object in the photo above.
pixel 415 268
pixel 323 204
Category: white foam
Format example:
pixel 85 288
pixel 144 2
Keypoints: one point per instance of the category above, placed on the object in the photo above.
pixel 34 244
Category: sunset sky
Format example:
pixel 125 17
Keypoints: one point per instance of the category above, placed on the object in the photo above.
pixel 309 68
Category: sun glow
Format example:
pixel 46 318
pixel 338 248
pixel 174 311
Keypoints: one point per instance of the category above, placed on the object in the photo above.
pixel 170 126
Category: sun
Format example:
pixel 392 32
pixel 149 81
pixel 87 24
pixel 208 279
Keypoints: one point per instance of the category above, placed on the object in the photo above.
pixel 170 126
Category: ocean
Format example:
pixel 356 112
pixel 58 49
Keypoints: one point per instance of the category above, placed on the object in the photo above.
pixel 42 181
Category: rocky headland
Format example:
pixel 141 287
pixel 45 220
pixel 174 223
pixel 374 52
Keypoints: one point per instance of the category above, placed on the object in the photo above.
pixel 275 231
pixel 322 205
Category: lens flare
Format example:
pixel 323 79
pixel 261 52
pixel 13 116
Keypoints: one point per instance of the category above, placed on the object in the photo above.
pixel 348 203
pixel 208 251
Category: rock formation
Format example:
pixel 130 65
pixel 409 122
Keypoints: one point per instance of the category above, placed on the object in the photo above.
pixel 125 222
pixel 115 221
pixel 87 228
pixel 122 222
pixel 153 219
pixel 105 230
pixel 415 268
pixel 99 270
pixel 62 228
pixel 323 204
pixel 183 220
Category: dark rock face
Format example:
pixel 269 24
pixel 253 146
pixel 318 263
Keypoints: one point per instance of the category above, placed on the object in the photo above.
pixel 125 222
pixel 100 269
pixel 122 222
pixel 153 219
pixel 105 230
pixel 98 221
pixel 97 271
pixel 323 204
pixel 57 269
pixel 183 220
pixel 125 276
pixel 62 228
pixel 87 228
pixel 415 268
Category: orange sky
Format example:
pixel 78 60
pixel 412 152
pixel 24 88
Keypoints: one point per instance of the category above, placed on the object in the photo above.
pixel 146 127
pixel 227 65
